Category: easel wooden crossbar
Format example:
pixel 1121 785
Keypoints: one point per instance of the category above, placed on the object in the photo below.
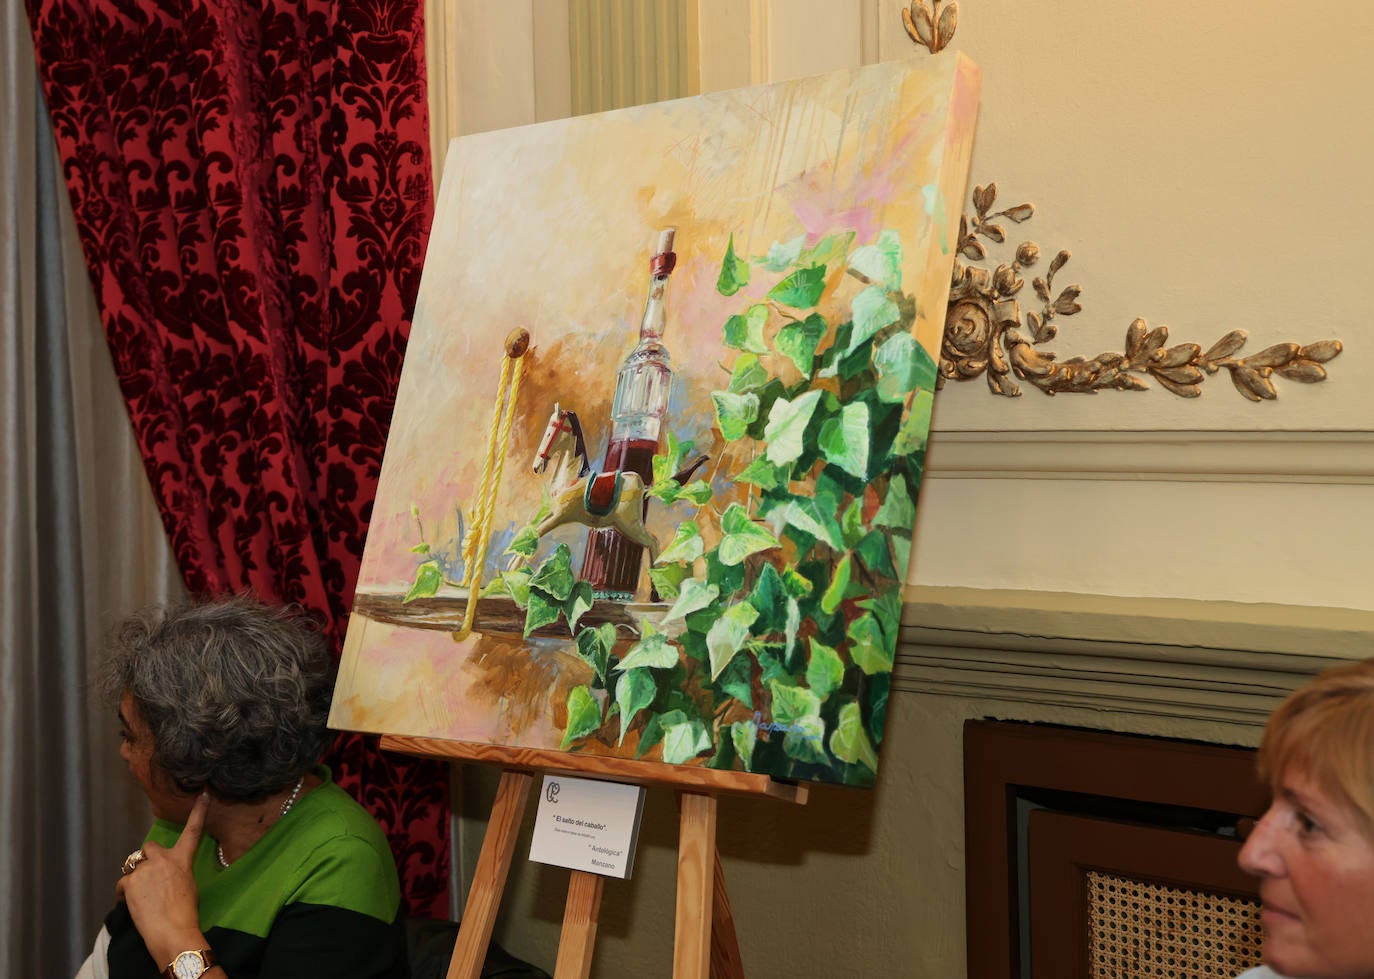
pixel 704 943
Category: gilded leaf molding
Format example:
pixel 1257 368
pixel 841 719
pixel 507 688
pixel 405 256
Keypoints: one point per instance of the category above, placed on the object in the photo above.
pixel 986 332
pixel 931 22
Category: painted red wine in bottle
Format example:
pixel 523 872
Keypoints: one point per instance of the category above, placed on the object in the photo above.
pixel 642 387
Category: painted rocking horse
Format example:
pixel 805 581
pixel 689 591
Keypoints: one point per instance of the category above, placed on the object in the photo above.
pixel 613 500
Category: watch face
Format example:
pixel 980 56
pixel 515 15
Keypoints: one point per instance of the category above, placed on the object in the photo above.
pixel 188 965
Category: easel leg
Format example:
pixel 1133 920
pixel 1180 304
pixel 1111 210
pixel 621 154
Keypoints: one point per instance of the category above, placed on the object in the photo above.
pixel 725 958
pixel 696 848
pixel 580 919
pixel 489 880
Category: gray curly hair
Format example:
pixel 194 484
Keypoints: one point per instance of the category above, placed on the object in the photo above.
pixel 235 693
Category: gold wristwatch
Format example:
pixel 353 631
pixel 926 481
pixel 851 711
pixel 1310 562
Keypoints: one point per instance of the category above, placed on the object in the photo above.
pixel 190 964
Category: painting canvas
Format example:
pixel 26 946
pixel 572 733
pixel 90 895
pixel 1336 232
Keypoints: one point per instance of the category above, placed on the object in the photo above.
pixel 652 474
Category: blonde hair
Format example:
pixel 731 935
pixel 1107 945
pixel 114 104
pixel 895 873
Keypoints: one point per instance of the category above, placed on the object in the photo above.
pixel 1327 729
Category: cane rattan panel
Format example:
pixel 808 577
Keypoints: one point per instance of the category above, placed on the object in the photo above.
pixel 1139 930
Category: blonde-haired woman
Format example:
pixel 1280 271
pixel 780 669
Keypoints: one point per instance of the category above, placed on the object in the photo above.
pixel 1314 849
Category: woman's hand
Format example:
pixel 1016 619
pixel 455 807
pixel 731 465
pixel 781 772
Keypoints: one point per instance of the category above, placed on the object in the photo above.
pixel 161 892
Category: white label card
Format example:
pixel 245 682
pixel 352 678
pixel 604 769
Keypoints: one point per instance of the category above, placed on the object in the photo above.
pixel 588 825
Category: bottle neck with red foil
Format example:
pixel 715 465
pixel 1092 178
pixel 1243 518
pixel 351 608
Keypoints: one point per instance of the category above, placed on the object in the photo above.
pixel 645 378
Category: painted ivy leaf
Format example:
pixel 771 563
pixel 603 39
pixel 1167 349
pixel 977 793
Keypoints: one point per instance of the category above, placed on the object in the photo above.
pixel 735 413
pixel 815 517
pixel 916 426
pixel 606 635
pixel 887 606
pixel 868 648
pixel 668 579
pixel 880 262
pixel 428 577
pixel 516 584
pixel 849 741
pixel 875 554
pixel 578 603
pixel 771 668
pixel 746 375
pixel 734 271
pixel 651 735
pixel 653 650
pixel 737 680
pixel 595 647
pixel 769 597
pixel 798 341
pixel 524 543
pixel 540 612
pixel 697 492
pixel 421 548
pixel 782 254
pixel 791 704
pixel 745 735
pixel 901 550
pixel 904 366
pixel 495 588
pixel 634 691
pixel 742 536
pixel 852 522
pixel 728 634
pixel 873 311
pixel 828 249
pixel 668 491
pixel 669 461
pixel 555 575
pixel 746 332
pixel 844 439
pixel 879 690
pixel 838 588
pixel 897 510
pixel 791 627
pixel 693 596
pixel 786 430
pixel 730 577
pixel 802 289
pixel 830 359
pixel 686 545
pixel 763 474
pixel 805 741
pixel 797 584
pixel 824 670
pixel 685 740
pixel 584 715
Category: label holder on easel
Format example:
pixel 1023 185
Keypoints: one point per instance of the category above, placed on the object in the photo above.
pixel 704 943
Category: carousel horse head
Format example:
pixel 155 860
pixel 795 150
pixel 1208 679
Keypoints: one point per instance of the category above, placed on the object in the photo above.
pixel 562 438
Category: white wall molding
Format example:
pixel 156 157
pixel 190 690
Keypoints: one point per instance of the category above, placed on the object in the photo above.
pixel 1201 661
pixel 1253 456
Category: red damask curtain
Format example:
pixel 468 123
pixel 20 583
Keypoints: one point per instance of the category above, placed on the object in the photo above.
pixel 251 183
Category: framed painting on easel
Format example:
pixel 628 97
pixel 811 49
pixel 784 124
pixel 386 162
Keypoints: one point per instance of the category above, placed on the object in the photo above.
pixel 669 517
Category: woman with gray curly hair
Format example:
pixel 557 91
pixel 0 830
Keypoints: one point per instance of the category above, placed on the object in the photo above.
pixel 257 864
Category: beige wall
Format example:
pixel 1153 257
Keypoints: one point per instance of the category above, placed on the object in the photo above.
pixel 1207 166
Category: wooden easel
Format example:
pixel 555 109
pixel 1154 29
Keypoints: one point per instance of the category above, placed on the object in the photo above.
pixel 704 943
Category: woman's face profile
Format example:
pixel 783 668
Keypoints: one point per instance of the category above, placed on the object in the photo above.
pixel 1316 866
pixel 136 748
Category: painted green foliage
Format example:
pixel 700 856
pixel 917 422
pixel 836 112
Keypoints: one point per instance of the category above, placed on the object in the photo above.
pixel 776 651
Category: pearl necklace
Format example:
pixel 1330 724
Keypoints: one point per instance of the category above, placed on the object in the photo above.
pixel 285 808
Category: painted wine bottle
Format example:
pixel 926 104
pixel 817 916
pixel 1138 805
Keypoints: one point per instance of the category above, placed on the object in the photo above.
pixel 642 387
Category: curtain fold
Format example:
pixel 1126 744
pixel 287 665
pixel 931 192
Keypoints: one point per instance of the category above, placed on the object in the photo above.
pixel 251 187
pixel 82 543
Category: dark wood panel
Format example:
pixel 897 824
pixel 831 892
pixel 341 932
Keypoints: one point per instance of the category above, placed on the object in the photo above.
pixel 1000 756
